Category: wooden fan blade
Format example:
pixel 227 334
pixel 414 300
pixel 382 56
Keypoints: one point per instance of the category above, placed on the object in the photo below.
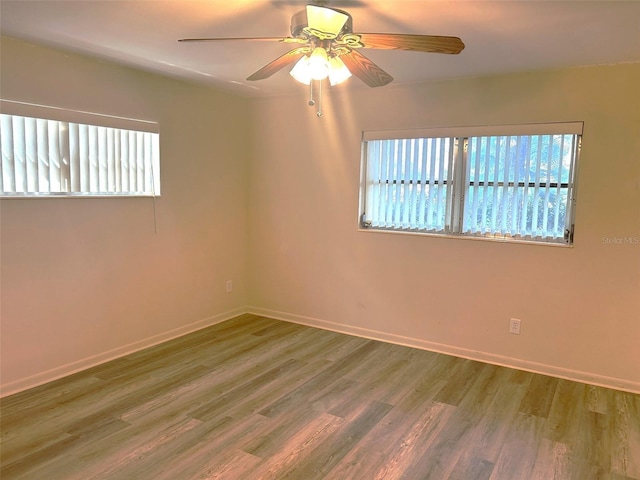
pixel 417 43
pixel 253 39
pixel 279 63
pixel 365 69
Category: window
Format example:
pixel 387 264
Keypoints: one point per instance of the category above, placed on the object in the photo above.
pixel 49 151
pixel 507 183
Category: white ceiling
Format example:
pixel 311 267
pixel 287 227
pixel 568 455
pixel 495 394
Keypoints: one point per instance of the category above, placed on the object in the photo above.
pixel 500 36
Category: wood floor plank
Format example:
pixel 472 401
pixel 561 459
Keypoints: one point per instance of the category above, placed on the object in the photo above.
pixel 472 467
pixel 495 420
pixel 519 452
pixel 553 461
pixel 389 450
pixel 321 459
pixel 296 449
pixel 625 435
pixel 539 396
pixel 258 398
pixel 460 380
pixel 196 451
pixel 443 455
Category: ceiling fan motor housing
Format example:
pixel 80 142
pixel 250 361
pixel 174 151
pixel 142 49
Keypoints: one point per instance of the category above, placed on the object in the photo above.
pixel 299 22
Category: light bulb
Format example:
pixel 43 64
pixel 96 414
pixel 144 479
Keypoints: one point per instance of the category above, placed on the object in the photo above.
pixel 319 64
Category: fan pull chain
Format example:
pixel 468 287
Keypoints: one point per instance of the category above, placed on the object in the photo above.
pixel 311 100
pixel 319 112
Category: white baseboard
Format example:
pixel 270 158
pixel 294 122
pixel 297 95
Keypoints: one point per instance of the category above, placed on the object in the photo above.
pixel 79 365
pixel 526 365
pixel 83 364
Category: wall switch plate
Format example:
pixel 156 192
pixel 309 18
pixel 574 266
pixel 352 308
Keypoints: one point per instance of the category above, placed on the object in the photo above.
pixel 514 326
pixel 229 286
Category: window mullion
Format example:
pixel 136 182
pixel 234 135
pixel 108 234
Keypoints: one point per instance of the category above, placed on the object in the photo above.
pixel 460 161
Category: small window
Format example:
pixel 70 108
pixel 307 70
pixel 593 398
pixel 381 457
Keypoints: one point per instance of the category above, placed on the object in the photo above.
pixel 45 155
pixel 506 183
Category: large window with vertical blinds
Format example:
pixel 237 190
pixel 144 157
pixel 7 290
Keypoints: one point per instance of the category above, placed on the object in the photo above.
pixel 514 182
pixel 49 151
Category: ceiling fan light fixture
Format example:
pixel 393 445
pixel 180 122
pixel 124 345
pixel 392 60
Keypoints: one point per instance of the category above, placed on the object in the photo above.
pixel 338 71
pixel 301 72
pixel 319 64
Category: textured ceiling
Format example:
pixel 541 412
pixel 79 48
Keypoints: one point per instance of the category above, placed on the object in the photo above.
pixel 500 36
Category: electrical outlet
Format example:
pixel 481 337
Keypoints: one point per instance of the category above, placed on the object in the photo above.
pixel 229 286
pixel 514 326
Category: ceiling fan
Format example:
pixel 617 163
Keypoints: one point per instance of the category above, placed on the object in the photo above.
pixel 326 46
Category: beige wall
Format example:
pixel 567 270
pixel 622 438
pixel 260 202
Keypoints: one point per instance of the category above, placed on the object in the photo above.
pixel 83 280
pixel 580 306
pixel 87 279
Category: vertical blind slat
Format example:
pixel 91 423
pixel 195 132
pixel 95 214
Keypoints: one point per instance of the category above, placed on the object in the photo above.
pixel 422 202
pixel 505 187
pixel 55 160
pixel 6 143
pixel 111 167
pixel 139 162
pixel 545 205
pixel 64 154
pixel 30 130
pixel 415 175
pixel 83 158
pixel 94 161
pixel 42 143
pixel 500 178
pixel 536 189
pixel 102 159
pixel 124 148
pixel 132 162
pixel 117 173
pixel 387 199
pixel 433 152
pixel 74 157
pixel 373 181
pixel 19 155
pixel 556 210
pixel 441 188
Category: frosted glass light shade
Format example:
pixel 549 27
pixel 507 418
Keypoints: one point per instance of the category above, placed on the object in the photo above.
pixel 338 71
pixel 318 66
pixel 301 72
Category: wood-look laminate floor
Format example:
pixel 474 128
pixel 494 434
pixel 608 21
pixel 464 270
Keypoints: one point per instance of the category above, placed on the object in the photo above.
pixel 255 398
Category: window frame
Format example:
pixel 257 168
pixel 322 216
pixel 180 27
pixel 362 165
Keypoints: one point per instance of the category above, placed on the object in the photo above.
pixel 89 120
pixel 460 137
